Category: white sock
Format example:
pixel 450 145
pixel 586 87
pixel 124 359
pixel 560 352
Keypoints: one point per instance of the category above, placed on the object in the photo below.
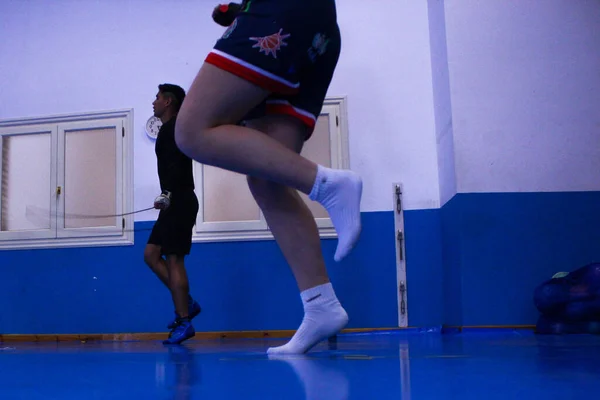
pixel 340 191
pixel 324 317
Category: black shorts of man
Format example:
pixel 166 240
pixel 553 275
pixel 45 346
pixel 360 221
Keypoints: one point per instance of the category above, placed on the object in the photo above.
pixel 171 236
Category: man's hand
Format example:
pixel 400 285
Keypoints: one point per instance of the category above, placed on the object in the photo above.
pixel 163 201
pixel 225 14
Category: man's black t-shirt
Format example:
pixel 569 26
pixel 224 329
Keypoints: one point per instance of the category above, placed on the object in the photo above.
pixel 174 167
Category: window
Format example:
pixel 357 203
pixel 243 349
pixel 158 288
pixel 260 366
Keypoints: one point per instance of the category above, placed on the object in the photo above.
pixel 66 181
pixel 227 209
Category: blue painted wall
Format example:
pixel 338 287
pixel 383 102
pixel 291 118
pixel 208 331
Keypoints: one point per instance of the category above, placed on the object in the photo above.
pixel 474 262
pixel 241 286
pixel 497 247
pixel 424 272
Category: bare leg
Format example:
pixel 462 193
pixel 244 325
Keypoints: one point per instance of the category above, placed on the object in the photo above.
pixel 287 215
pixel 205 131
pixel 296 233
pixel 182 328
pixel 178 284
pixel 157 264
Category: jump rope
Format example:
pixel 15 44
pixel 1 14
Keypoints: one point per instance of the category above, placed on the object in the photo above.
pixel 37 214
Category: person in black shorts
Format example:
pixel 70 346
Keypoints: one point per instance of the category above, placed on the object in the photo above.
pixel 171 235
pixel 278 57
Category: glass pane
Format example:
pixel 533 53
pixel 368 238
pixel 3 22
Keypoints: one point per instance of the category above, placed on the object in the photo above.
pixel 90 177
pixel 318 149
pixel 26 191
pixel 227 197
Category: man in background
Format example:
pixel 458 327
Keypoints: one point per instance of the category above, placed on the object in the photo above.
pixel 171 235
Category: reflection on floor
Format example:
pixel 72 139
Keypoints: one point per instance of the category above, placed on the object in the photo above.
pixel 491 365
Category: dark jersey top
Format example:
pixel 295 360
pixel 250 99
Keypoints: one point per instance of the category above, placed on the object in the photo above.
pixel 174 167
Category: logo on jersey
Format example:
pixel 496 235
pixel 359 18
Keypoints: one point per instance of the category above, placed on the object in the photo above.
pixel 271 44
pixel 319 46
pixel 246 6
pixel 230 30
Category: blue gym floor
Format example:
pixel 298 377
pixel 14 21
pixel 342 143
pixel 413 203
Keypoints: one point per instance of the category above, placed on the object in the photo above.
pixel 419 365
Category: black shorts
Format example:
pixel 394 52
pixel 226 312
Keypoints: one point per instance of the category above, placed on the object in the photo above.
pixel 173 229
pixel 290 48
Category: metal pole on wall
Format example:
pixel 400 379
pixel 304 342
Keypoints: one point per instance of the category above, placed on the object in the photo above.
pixel 400 255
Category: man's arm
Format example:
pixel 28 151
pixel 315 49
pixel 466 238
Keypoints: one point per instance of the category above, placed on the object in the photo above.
pixel 174 171
pixel 172 174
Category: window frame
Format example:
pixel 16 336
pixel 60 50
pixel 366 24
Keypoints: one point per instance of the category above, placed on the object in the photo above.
pixel 231 231
pixel 77 237
pixel 39 234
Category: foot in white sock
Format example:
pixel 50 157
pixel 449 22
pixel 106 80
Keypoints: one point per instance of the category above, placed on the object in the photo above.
pixel 340 192
pixel 324 317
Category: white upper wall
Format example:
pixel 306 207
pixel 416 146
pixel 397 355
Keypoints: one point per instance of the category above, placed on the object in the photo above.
pixel 73 56
pixel 442 100
pixel 525 89
pixel 385 70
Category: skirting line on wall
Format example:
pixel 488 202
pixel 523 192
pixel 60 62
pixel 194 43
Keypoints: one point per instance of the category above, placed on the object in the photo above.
pixel 116 337
pixel 449 328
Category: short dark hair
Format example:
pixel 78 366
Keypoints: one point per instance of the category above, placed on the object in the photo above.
pixel 176 91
